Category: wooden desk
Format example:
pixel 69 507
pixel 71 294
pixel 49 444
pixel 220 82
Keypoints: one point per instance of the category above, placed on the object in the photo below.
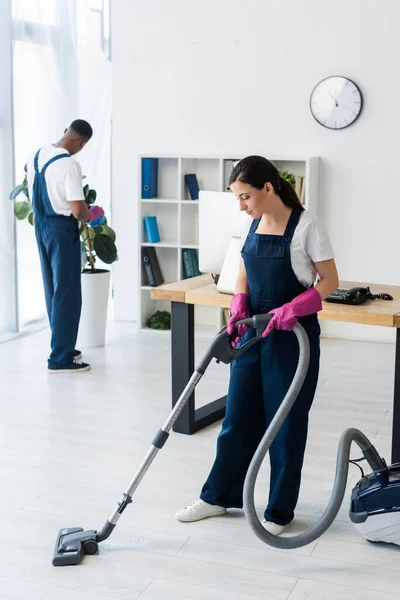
pixel 184 295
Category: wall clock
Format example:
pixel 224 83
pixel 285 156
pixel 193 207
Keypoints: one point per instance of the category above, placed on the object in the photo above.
pixel 336 102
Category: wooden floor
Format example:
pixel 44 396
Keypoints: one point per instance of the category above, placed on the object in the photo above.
pixel 69 445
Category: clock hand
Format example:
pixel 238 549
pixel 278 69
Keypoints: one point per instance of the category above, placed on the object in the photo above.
pixel 333 97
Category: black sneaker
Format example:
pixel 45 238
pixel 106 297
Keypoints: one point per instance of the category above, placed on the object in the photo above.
pixel 76 355
pixel 75 366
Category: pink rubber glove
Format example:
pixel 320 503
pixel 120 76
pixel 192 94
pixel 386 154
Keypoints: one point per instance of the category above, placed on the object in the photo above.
pixel 95 213
pixel 240 309
pixel 285 317
pixel 96 216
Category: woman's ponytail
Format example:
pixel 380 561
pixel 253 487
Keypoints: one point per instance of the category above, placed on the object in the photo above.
pixel 287 194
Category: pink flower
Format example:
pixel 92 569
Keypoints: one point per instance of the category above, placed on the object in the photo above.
pixel 95 213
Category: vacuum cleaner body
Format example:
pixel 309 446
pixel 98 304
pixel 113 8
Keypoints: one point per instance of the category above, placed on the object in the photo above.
pixel 375 505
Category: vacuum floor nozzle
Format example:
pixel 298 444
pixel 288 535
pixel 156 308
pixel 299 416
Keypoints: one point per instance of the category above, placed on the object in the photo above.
pixel 72 544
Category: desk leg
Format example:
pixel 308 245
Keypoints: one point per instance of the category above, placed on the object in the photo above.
pixel 182 357
pixel 182 367
pixel 396 403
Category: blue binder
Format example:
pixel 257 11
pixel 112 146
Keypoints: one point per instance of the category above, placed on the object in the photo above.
pixel 193 185
pixel 151 227
pixel 149 178
pixel 152 266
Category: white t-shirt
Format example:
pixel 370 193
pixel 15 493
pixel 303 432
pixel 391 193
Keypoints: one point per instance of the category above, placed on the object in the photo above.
pixel 63 178
pixel 310 244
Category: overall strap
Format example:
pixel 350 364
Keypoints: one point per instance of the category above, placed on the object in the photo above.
pixel 40 199
pixel 35 161
pixel 292 223
pixel 290 227
pixel 254 225
pixel 53 160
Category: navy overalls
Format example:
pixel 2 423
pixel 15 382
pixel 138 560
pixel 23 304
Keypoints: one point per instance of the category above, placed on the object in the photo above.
pixel 58 241
pixel 259 381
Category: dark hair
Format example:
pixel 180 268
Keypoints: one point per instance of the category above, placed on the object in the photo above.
pixel 82 128
pixel 257 171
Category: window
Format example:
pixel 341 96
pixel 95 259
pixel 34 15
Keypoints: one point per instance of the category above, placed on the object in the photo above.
pixel 41 106
pixel 61 72
pixel 8 288
pixel 60 68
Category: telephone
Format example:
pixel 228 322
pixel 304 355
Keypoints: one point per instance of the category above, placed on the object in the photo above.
pixel 355 295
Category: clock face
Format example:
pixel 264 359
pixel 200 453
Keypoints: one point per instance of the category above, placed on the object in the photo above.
pixel 336 102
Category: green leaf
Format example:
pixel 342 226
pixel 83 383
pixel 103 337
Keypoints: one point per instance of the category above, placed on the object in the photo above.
pixel 288 176
pixel 98 230
pixel 84 257
pixel 91 197
pixel 105 248
pixel 106 230
pixel 26 167
pixel 16 191
pixel 22 209
pixel 86 190
pixel 26 191
pixel 31 217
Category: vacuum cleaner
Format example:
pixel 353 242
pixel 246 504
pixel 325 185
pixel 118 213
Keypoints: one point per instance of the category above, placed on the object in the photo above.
pixel 375 500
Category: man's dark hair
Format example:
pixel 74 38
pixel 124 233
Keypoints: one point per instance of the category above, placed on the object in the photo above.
pixel 82 128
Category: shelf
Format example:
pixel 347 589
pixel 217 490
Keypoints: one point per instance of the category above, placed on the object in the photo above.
pixel 207 171
pixel 161 244
pixel 190 245
pixel 160 201
pixel 179 225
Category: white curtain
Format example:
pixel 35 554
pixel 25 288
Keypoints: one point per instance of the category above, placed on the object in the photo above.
pixel 94 95
pixel 61 73
pixel 8 287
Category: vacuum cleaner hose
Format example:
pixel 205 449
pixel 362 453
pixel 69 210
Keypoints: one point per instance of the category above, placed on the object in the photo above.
pixel 342 464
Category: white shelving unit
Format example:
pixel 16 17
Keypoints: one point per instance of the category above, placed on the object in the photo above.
pixel 177 218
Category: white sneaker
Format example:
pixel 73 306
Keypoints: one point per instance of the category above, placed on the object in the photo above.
pixel 273 528
pixel 199 510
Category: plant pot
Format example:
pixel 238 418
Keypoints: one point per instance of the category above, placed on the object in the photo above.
pixel 92 326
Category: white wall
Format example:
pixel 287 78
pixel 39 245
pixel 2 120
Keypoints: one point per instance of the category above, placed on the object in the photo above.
pixel 228 77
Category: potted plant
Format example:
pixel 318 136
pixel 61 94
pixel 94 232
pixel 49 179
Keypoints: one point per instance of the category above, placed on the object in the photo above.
pixel 288 176
pixel 97 242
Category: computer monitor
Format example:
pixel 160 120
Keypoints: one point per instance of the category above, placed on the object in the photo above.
pixel 219 220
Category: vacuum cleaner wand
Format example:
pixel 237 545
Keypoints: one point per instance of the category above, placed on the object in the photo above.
pixel 73 543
